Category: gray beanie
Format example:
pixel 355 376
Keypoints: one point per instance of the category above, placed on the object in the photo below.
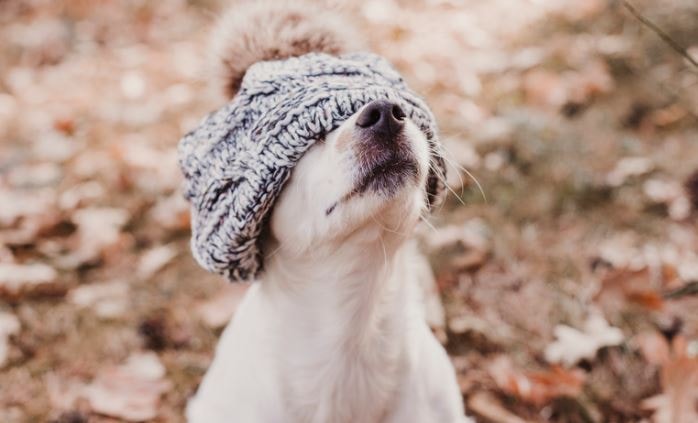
pixel 236 162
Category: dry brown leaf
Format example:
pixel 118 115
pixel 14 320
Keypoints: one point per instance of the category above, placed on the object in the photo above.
pixel 691 188
pixel 573 345
pixel 627 168
pixel 538 388
pixel 98 230
pixel 487 406
pixel 153 260
pixel 130 391
pixel 80 195
pixel 35 175
pixel 171 212
pixel 218 311
pixel 24 216
pixel 107 299
pixel 654 347
pixel 474 233
pixel 671 194
pixel 679 397
pixel 9 325
pixel 651 300
pixel 15 205
pixel 545 88
pixel 668 115
pixel 592 80
pixel 18 280
pixel 63 393
pixel 619 286
pixel 576 11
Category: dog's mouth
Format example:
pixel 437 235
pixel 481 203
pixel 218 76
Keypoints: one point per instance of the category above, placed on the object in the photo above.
pixel 384 177
pixel 383 158
pixel 387 175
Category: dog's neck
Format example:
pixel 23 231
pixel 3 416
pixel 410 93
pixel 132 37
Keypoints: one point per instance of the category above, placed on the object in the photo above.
pixel 345 307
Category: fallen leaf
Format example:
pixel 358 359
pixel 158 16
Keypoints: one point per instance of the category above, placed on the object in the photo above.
pixel 474 234
pixel 544 88
pixel 17 204
pixel 539 387
pixel 668 115
pixel 25 215
pixel 130 391
pixel 679 379
pixel 620 286
pixel 36 175
pixel 671 194
pixel 9 325
pixel 662 191
pixel 107 299
pixel 18 280
pixel 573 345
pixel 627 168
pixel 153 260
pixel 98 229
pixel 218 311
pixel 592 80
pixel 654 347
pixel 680 208
pixel 489 407
pixel 171 213
pixel 63 393
pixel 691 186
pixel 79 195
pixel 621 253
pixel 649 299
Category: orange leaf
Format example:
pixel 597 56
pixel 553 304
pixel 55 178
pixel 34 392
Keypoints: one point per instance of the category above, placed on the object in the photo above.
pixel 648 299
pixel 536 387
pixel 679 378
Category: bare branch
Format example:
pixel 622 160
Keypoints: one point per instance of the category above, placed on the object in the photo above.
pixel 661 33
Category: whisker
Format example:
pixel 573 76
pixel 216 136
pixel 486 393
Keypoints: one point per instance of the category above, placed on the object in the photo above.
pixel 271 254
pixel 429 224
pixel 442 178
pixel 394 231
pixel 385 252
pixel 445 153
pixel 455 164
pixel 451 162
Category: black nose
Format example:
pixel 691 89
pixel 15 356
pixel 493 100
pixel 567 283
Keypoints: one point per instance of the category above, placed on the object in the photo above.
pixel 382 116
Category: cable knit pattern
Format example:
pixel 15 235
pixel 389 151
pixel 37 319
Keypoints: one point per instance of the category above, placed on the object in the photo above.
pixel 237 160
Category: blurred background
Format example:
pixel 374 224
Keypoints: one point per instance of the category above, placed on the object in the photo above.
pixel 567 285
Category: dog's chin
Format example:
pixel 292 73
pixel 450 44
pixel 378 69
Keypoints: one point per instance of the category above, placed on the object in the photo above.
pixel 388 178
pixel 392 199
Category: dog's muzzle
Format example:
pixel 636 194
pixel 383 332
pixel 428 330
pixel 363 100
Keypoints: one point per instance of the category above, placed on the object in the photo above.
pixel 384 155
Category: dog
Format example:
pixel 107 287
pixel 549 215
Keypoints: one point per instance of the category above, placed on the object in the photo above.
pixel 333 329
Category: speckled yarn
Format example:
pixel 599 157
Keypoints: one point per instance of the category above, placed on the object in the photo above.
pixel 237 160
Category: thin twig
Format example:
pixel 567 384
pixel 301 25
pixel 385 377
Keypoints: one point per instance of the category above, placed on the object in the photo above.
pixel 661 33
pixel 690 288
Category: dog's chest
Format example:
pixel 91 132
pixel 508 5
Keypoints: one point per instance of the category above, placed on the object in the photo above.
pixel 348 388
pixel 345 378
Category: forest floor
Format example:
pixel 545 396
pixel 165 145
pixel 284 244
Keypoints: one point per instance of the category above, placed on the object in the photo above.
pixel 570 280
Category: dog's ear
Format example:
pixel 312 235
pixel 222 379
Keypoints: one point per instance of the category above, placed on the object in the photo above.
pixel 254 31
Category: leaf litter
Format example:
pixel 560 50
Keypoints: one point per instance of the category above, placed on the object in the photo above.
pixel 568 293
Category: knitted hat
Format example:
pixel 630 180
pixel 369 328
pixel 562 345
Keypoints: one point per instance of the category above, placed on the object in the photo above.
pixel 237 161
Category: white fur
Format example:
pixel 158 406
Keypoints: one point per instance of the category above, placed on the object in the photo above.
pixel 335 329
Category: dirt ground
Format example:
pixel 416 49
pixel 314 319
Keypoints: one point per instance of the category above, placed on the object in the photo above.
pixel 568 271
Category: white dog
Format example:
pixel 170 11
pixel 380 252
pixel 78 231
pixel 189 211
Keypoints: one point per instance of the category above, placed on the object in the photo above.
pixel 334 330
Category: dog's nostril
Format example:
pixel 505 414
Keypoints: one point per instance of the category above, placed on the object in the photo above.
pixel 381 116
pixel 398 113
pixel 369 119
